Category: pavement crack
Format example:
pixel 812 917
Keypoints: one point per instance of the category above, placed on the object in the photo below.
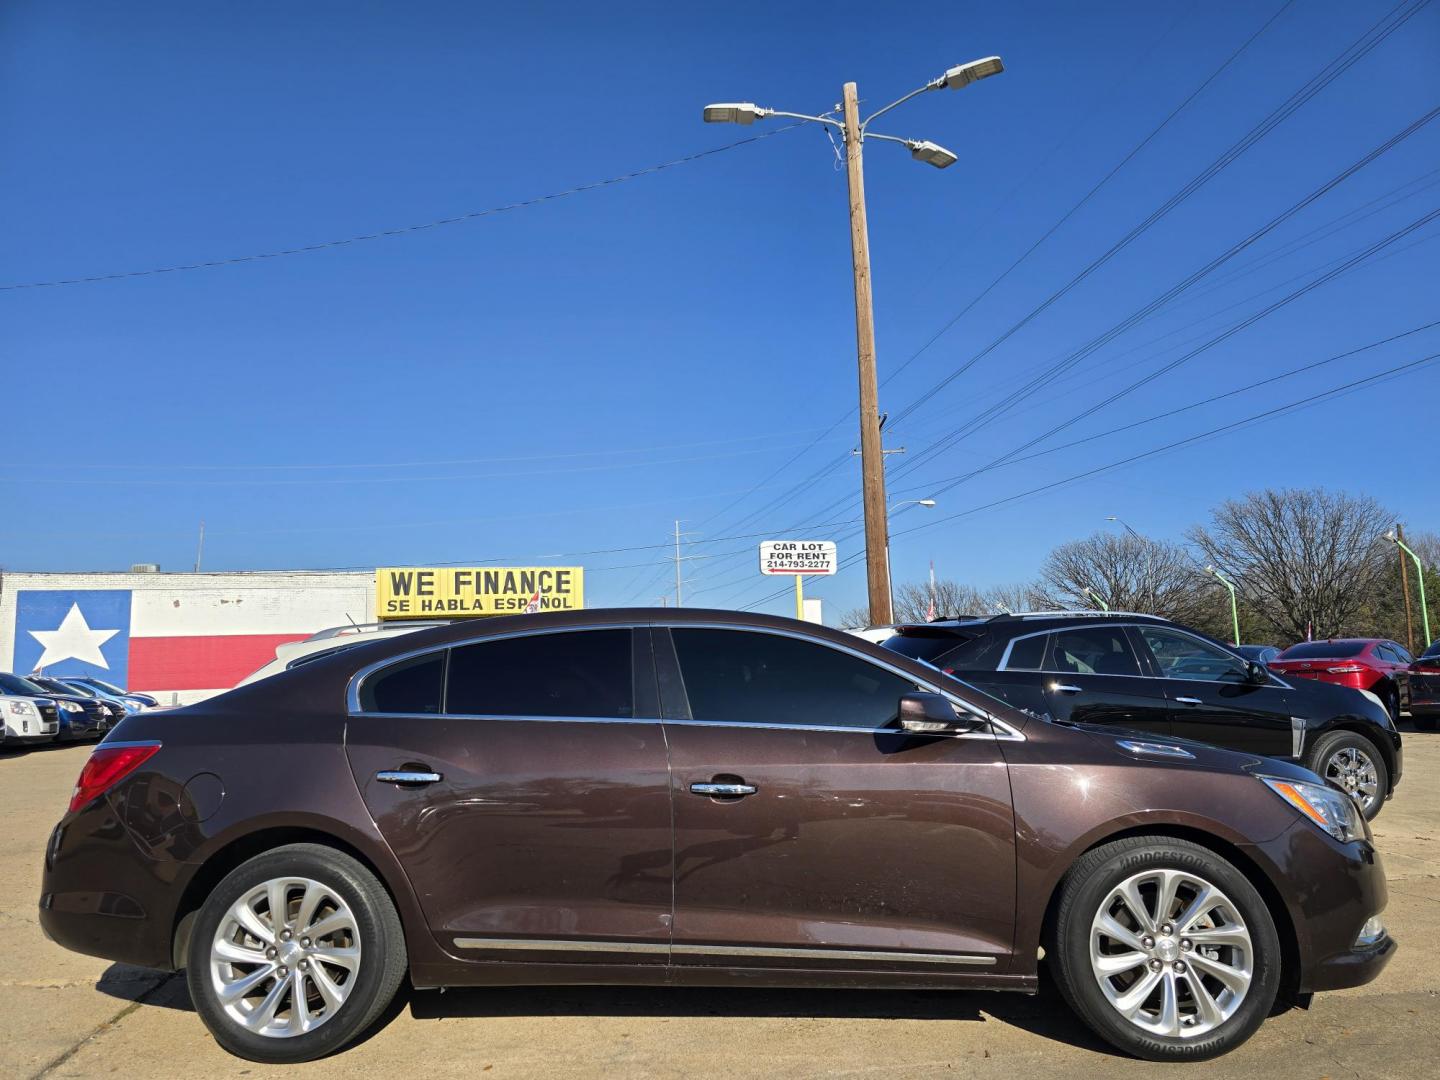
pixel 140 999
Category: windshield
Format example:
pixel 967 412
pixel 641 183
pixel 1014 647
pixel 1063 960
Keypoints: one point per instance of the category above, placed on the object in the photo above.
pixel 80 688
pixel 13 684
pixel 109 688
pixel 1432 652
pixel 1327 650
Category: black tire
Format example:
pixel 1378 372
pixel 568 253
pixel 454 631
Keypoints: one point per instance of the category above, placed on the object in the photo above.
pixel 1391 697
pixel 1336 742
pixel 381 942
pixel 1091 881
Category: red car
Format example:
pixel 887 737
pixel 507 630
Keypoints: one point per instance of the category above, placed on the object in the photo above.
pixel 1378 665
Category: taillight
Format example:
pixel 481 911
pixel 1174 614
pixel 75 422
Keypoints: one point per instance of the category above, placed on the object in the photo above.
pixel 1345 669
pixel 107 766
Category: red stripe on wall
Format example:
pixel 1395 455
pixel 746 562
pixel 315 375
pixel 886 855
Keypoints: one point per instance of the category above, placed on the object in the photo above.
pixel 200 663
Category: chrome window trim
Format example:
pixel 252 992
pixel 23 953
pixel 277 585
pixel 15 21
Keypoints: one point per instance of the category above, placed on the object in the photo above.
pixel 1005 657
pixel 1004 732
pixel 754 951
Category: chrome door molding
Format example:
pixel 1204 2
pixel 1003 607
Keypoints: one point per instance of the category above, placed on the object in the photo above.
pixel 760 952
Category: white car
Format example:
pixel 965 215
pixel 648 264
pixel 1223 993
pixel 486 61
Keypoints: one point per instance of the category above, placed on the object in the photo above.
pixel 28 719
pixel 876 634
pixel 294 653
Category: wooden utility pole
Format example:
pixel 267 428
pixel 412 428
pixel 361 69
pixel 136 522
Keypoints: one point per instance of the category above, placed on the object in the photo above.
pixel 1405 588
pixel 872 458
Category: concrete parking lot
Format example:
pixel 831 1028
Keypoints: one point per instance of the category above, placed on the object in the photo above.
pixel 72 1016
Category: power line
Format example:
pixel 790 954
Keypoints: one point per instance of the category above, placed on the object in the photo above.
pixel 1130 321
pixel 402 230
pixel 1255 418
pixel 1348 57
pixel 1025 255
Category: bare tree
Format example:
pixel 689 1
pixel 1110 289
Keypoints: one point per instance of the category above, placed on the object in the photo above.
pixel 1128 573
pixel 1306 561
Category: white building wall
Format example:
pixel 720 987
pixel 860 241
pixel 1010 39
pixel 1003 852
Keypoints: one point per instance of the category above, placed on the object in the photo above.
pixel 179 605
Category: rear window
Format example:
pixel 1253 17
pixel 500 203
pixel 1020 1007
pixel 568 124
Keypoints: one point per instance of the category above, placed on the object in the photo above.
pixel 412 686
pixel 1327 650
pixel 930 646
pixel 1432 652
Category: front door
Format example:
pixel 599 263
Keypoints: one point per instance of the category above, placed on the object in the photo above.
pixel 524 786
pixel 810 833
pixel 1212 698
pixel 1092 676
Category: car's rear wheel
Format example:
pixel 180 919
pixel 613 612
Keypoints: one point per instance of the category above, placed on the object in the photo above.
pixel 1165 949
pixel 294 954
pixel 1352 763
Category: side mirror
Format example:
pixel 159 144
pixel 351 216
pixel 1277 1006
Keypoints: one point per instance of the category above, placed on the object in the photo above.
pixel 1256 672
pixel 931 714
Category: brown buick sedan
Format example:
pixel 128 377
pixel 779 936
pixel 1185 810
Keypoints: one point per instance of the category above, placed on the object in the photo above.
pixel 695 798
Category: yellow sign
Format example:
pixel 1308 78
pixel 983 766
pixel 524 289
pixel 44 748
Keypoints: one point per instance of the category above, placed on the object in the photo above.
pixel 411 592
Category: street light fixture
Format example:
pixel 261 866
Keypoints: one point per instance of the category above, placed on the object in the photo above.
pixel 1394 537
pixel 854 132
pixel 1234 607
pixel 928 504
pixel 957 78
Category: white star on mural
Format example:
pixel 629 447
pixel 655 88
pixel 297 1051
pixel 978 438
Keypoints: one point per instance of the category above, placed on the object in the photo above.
pixel 73 640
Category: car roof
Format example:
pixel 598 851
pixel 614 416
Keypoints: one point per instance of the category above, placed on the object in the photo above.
pixel 1020 621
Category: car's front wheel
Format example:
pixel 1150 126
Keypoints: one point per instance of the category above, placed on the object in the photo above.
pixel 1353 764
pixel 1165 949
pixel 294 954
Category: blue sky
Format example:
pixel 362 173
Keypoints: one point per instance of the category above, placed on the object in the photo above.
pixel 573 376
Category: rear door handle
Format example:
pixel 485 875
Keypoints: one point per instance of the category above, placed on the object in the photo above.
pixel 722 790
pixel 407 776
pixel 1065 688
pixel 1189 701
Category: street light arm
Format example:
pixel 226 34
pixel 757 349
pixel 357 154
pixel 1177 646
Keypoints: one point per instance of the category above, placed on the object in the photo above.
pixel 802 116
pixel 933 84
pixel 891 138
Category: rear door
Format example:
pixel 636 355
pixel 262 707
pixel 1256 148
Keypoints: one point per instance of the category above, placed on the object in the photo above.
pixel 523 784
pixel 1211 697
pixel 1091 675
pixel 813 835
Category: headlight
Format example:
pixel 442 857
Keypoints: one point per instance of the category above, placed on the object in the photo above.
pixel 21 708
pixel 69 706
pixel 1331 810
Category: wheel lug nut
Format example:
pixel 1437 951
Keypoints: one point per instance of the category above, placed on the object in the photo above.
pixel 305 942
pixel 271 953
pixel 1186 944
pixel 1179 965
pixel 1165 929
pixel 283 972
pixel 1155 965
pixel 304 965
pixel 1148 942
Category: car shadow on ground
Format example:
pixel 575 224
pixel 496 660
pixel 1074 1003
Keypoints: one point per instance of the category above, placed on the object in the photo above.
pixel 1044 1014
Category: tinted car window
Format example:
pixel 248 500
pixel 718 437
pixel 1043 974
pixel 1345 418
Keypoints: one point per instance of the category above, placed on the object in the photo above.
pixel 742 676
pixel 1433 650
pixel 1326 650
pixel 585 673
pixel 411 686
pixel 1027 653
pixel 1092 650
pixel 1402 655
pixel 1180 656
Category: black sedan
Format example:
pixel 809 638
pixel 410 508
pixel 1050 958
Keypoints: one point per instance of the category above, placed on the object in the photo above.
pixel 1150 675
pixel 1425 688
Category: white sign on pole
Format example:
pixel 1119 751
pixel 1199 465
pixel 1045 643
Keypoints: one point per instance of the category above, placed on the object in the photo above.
pixel 778 557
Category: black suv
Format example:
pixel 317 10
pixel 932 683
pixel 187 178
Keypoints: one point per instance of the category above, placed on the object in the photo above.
pixel 1147 674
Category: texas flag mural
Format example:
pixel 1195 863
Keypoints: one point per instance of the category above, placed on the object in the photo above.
pixel 157 641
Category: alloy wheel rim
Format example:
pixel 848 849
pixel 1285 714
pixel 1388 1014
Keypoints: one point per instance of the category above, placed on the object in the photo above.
pixel 285 957
pixel 1171 953
pixel 1351 770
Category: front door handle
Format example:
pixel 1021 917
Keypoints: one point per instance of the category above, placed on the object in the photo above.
pixel 1189 701
pixel 407 776
pixel 722 790
pixel 1065 688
